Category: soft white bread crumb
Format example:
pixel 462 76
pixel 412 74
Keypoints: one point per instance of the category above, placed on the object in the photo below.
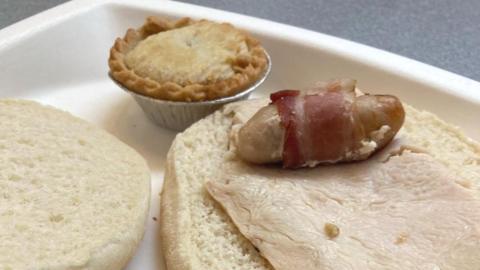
pixel 445 143
pixel 72 196
pixel 197 234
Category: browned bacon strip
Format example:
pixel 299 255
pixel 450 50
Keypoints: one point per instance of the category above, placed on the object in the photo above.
pixel 286 101
pixel 319 127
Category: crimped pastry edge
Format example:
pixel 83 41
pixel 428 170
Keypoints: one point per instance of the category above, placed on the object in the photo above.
pixel 247 71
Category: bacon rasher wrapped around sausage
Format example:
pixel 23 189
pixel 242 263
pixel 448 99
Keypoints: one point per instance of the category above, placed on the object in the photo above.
pixel 327 124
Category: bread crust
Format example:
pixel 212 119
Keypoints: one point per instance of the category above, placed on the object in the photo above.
pixel 247 70
pixel 173 220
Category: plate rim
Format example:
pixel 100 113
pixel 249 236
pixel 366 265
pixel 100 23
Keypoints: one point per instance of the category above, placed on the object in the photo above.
pixel 442 80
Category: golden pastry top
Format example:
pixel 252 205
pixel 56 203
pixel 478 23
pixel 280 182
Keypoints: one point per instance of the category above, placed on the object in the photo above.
pixel 198 53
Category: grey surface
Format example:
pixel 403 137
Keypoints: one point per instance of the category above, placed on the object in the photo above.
pixel 442 33
pixel 15 10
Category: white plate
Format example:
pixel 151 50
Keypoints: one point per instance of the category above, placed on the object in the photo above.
pixel 60 56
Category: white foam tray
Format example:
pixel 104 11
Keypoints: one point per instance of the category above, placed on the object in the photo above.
pixel 59 57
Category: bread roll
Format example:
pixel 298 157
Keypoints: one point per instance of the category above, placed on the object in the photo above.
pixel 198 234
pixel 72 196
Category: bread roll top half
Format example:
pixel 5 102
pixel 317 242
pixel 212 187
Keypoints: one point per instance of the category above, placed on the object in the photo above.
pixel 72 196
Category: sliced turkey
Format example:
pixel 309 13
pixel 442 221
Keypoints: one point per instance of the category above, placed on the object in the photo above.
pixel 404 213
